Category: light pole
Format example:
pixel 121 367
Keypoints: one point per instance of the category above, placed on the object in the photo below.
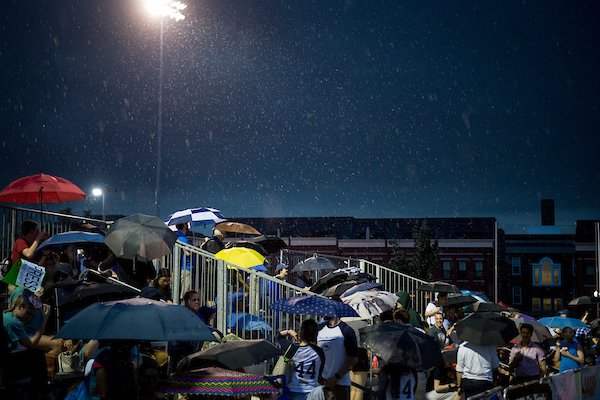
pixel 99 192
pixel 173 10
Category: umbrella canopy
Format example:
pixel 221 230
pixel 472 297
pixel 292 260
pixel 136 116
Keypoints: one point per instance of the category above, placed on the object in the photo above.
pixel 248 322
pixel 362 287
pixel 479 296
pixel 459 300
pixel 539 334
pixel 595 323
pixel 402 344
pixel 41 188
pixel 371 303
pixel 337 290
pixel 233 354
pixel 314 264
pixel 361 277
pixel 241 256
pixel 82 240
pixel 272 244
pixel 314 305
pixel 88 228
pixel 195 217
pixel 249 245
pixel 487 328
pixel 438 286
pixel 215 382
pixel 90 293
pixel 484 306
pixel 236 227
pixel 562 322
pixel 136 319
pixel 140 235
pixel 327 281
pixel 584 301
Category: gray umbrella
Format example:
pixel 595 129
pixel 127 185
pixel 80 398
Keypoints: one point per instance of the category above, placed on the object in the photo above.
pixel 438 286
pixel 140 236
pixel 314 264
pixel 232 354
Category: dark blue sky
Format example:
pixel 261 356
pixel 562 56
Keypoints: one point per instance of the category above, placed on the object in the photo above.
pixel 310 108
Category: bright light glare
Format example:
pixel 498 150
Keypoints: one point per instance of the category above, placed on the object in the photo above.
pixel 97 192
pixel 167 7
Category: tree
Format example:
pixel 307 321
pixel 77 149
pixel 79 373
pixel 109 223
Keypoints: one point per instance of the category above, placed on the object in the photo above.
pixel 425 257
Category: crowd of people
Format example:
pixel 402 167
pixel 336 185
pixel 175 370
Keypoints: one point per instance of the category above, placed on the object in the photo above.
pixel 325 354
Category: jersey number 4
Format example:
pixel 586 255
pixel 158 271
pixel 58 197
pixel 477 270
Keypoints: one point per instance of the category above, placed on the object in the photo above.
pixel 310 371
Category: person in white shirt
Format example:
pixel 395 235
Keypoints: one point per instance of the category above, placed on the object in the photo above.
pixel 435 307
pixel 475 368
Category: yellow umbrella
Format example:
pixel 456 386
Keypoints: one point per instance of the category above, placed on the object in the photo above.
pixel 241 256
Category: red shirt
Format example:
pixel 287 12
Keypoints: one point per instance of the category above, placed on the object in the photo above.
pixel 20 245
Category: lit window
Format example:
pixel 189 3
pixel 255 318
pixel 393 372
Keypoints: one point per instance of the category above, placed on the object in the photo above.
pixel 535 304
pixel 558 304
pixel 516 290
pixel 547 304
pixel 546 273
pixel 446 270
pixel 462 270
pixel 478 269
pixel 516 265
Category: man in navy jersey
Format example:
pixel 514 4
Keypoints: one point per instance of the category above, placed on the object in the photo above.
pixel 338 342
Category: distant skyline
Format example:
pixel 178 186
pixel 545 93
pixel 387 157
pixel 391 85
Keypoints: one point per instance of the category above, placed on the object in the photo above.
pixel 382 109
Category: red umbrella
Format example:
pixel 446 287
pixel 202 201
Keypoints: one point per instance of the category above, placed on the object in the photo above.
pixel 41 188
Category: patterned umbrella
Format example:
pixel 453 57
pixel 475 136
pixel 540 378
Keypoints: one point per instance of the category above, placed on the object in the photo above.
pixel 195 216
pixel 314 305
pixel 215 382
pixel 371 303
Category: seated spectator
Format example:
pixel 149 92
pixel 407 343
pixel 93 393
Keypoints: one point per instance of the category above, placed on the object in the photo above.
pixel 441 384
pixel 437 331
pixel 162 283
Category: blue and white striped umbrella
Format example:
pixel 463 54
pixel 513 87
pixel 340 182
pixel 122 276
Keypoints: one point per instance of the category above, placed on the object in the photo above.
pixel 195 216
pixel 314 305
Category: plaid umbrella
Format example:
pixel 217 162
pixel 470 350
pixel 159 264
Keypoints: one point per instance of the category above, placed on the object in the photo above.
pixel 314 305
pixel 215 382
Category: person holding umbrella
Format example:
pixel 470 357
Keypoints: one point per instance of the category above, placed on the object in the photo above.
pixel 27 244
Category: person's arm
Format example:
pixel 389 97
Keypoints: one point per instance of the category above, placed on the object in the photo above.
pixel 579 358
pixel 102 383
pixel 34 341
pixel 30 251
pixel 459 382
pixel 347 367
pixel 543 368
pixel 439 388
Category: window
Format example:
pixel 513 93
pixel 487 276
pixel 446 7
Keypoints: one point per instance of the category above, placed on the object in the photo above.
pixel 516 290
pixel 547 304
pixel 446 270
pixel 546 273
pixel 516 265
pixel 462 270
pixel 478 269
pixel 558 304
pixel 590 275
pixel 535 304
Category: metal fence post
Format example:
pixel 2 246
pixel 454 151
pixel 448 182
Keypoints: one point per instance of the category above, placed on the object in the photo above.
pixel 176 273
pixel 222 285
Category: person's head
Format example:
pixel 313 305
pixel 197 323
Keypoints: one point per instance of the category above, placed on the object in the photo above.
pixel 564 313
pixel 526 330
pixel 218 234
pixel 68 252
pixel 191 299
pixel 25 306
pixel 281 270
pixel 568 334
pixel 62 272
pixel 163 278
pixel 307 273
pixel 148 375
pixel 29 228
pixel 450 312
pixel 309 330
pixel 439 319
pixel 182 227
pixel 442 298
pixel 401 316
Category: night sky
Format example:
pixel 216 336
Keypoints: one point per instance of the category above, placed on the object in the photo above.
pixel 369 109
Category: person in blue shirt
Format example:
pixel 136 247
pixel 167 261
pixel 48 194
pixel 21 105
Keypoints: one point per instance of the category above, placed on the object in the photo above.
pixel 186 266
pixel 569 352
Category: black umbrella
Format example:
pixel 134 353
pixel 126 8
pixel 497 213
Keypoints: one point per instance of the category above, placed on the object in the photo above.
pixel 362 277
pixel 249 245
pixel 140 236
pixel 438 286
pixel 327 281
pixel 314 264
pixel 232 354
pixel 483 306
pixel 487 328
pixel 459 300
pixel 90 293
pixel 584 301
pixel 272 244
pixel 336 291
pixel 595 323
pixel 402 344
